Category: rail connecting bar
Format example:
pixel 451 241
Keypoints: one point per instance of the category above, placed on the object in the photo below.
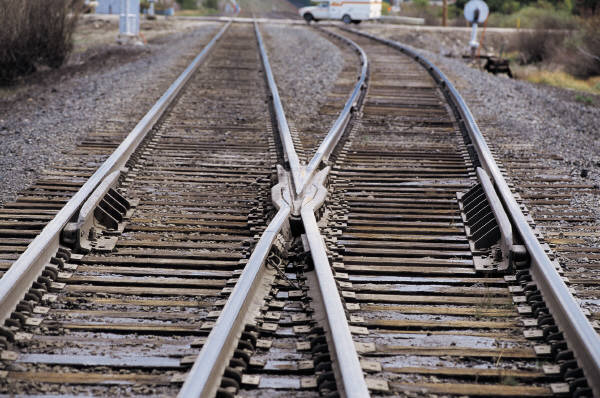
pixel 28 267
pixel 579 333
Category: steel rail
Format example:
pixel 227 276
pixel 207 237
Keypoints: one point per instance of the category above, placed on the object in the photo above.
pixel 579 333
pixel 352 376
pixel 284 131
pixel 26 269
pixel 335 132
pixel 204 378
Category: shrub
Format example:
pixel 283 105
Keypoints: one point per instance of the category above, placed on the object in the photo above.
pixel 422 9
pixel 546 31
pixel 537 45
pixel 35 33
pixel 583 54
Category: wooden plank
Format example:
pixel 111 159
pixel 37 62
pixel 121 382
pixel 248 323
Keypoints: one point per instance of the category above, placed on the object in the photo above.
pixel 439 230
pixel 143 328
pixel 158 262
pixel 442 262
pixel 174 244
pixel 144 271
pixel 432 289
pixel 178 254
pixel 146 281
pixel 492 390
pixel 470 372
pixel 505 353
pixel 111 301
pixel 441 310
pixel 160 314
pixel 380 252
pixel 459 238
pixel 142 291
pixel 407 270
pixel 100 360
pixel 89 378
pixel 416 299
pixel 404 245
pixel 415 324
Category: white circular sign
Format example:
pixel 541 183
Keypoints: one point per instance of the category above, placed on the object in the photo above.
pixel 476 7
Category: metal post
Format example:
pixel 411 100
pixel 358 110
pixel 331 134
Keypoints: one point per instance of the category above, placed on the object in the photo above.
pixel 473 43
pixel 129 21
pixel 151 9
pixel 445 13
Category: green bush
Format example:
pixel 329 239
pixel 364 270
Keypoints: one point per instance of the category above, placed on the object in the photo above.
pixel 35 33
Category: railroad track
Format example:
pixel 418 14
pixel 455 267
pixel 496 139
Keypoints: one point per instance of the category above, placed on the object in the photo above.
pixel 385 255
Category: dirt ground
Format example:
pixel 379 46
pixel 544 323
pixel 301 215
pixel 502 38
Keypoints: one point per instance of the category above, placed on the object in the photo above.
pixel 451 41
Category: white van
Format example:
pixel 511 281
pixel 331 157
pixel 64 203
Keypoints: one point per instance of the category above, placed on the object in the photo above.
pixel 345 10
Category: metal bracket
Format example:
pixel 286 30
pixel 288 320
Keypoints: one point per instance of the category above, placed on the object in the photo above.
pixel 100 218
pixel 488 227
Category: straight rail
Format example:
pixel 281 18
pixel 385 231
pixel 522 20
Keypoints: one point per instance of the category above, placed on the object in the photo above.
pixel 579 333
pixel 282 125
pixel 352 377
pixel 205 376
pixel 26 269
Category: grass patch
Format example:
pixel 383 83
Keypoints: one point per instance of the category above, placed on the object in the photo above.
pixel 563 80
pixel 584 99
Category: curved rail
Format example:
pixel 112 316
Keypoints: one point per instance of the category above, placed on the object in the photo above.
pixel 579 333
pixel 335 132
pixel 27 268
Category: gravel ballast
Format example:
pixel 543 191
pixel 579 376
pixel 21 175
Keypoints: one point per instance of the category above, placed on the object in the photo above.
pixel 305 66
pixel 47 115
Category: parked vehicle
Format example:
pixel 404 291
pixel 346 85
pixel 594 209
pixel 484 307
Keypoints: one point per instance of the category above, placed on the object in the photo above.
pixel 348 11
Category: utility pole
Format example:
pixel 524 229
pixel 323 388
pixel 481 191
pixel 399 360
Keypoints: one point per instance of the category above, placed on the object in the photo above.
pixel 445 13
